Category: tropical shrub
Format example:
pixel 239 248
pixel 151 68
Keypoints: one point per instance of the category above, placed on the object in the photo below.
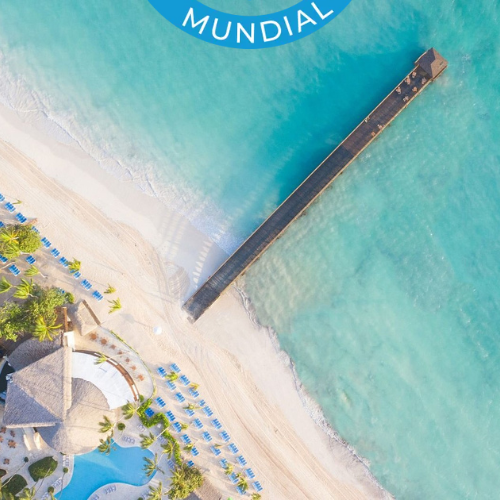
pixel 17 318
pixel 185 480
pixel 14 485
pixel 16 239
pixel 42 468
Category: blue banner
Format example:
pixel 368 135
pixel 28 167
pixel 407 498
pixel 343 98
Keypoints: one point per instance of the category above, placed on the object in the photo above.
pixel 249 32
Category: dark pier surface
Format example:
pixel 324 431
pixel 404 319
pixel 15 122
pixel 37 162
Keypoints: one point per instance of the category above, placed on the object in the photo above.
pixel 427 68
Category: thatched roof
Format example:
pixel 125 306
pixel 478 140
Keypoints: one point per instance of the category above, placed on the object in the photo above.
pixel 29 351
pixel 79 433
pixel 40 394
pixel 83 318
pixel 432 62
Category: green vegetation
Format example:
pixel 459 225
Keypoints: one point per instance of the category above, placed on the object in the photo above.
pixel 106 425
pixel 121 426
pixel 185 480
pixel 3 472
pixel 43 468
pixel 106 445
pixel 116 305
pixel 74 265
pixel 5 286
pixel 156 493
pixel 14 485
pixel 16 239
pixel 28 494
pixel 152 465
pixel 35 314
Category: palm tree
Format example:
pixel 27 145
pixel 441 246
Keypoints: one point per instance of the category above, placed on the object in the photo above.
pixel 147 441
pixel 9 235
pixel 151 465
pixel 116 305
pixel 256 496
pixel 74 265
pixel 107 425
pixel 242 482
pixel 102 358
pixel 5 286
pixel 33 271
pixel 27 494
pixel 44 332
pixel 228 469
pixel 156 493
pixel 10 250
pixel 194 386
pixel 172 376
pixel 189 448
pixel 110 289
pixel 129 410
pixel 24 289
pixel 168 448
pixel 192 407
pixel 106 445
pixel 184 426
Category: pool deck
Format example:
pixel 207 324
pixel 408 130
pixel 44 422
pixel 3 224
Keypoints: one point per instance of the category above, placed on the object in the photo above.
pixel 427 68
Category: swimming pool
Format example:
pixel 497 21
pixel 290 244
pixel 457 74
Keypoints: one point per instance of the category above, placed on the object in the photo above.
pixel 94 470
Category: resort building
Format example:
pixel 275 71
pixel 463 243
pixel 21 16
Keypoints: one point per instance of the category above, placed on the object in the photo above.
pixel 62 393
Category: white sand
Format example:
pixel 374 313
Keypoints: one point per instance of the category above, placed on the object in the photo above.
pixel 125 238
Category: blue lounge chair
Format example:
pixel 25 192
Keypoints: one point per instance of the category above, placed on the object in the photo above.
pixel 170 416
pixel 190 463
pixel 208 412
pixel 30 259
pixel 194 393
pixel 160 402
pixel 55 253
pixel 184 380
pixel 63 261
pixel 161 371
pixel 45 242
pixel 2 197
pixel 1 224
pixel 201 402
pixel 35 229
pixel 10 207
pixel 223 463
pixel 233 478
pixel 207 437
pixel 195 452
pixel 21 218
pixel 197 423
pixel 250 473
pixel 171 464
pixel 216 424
pixel 175 368
pixel 177 427
pixel 61 291
pixel 190 413
pixel 14 270
pixel 180 397
pixel 240 490
pixel 97 295
pixel 257 486
pixel 241 460
pixel 185 439
pixel 3 259
pixel 149 412
pixel 171 385
pixel 77 275
pixel 232 448
pixel 215 451
pixel 225 436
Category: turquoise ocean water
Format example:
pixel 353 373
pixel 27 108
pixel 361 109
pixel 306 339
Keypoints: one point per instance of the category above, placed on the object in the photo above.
pixel 386 294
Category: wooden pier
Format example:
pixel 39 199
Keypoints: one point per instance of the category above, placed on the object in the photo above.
pixel 427 68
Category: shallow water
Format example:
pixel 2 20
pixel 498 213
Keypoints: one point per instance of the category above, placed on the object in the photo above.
pixel 385 294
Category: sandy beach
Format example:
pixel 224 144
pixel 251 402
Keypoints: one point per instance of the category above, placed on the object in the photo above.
pixel 153 256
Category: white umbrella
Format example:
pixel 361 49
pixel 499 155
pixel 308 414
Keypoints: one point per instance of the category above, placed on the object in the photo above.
pixel 157 330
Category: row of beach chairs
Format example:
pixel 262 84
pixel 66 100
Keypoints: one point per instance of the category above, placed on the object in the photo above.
pixel 198 424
